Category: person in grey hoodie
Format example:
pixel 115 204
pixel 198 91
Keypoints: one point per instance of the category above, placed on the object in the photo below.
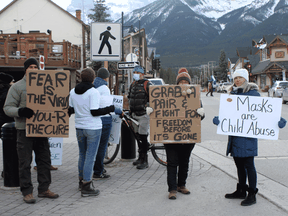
pixel 106 99
pixel 15 106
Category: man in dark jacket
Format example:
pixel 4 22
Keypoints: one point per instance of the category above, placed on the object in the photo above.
pixel 138 104
pixel 5 80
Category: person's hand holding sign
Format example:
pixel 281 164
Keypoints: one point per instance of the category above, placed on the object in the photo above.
pixel 216 120
pixel 25 112
pixel 282 123
pixel 149 110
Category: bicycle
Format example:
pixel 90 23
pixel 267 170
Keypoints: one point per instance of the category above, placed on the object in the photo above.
pixel 157 150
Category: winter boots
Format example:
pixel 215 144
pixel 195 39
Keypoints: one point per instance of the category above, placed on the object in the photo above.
pixel 87 190
pixel 240 192
pixel 143 161
pixel 251 198
pixel 135 163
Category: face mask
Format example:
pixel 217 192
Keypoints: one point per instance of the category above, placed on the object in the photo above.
pixel 136 77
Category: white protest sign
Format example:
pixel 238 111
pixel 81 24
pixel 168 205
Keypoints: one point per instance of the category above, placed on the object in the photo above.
pixel 116 120
pixel 249 116
pixel 56 149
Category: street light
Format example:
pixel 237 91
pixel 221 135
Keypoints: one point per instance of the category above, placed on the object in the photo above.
pixel 139 40
pixel 131 31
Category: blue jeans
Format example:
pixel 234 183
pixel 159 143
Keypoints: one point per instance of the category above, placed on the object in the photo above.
pixel 88 142
pixel 106 129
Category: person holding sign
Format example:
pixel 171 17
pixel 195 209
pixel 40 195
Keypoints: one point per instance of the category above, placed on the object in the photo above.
pixel 138 96
pixel 15 106
pixel 178 155
pixel 100 83
pixel 244 149
pixel 84 101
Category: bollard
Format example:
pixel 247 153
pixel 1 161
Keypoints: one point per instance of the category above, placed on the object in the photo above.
pixel 127 143
pixel 10 156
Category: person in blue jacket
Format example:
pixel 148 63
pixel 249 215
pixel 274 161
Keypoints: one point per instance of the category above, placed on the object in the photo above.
pixel 244 149
pixel 106 99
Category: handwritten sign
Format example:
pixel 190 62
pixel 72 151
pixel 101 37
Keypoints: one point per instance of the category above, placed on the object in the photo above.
pixel 249 116
pixel 175 119
pixel 116 120
pixel 56 149
pixel 48 97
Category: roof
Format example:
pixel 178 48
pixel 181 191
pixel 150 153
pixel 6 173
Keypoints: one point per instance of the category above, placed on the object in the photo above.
pixel 269 38
pixel 254 60
pixel 14 1
pixel 260 67
pixel 233 59
pixel 243 52
pixel 265 65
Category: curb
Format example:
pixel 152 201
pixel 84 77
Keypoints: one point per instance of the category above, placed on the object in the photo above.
pixel 273 191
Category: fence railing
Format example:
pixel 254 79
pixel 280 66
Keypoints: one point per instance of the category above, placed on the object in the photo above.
pixel 58 54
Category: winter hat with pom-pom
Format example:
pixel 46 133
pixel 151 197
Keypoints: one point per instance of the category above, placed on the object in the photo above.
pixel 183 75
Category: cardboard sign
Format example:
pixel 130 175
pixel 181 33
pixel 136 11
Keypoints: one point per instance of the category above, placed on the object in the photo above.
pixel 175 119
pixel 48 97
pixel 249 116
pixel 116 121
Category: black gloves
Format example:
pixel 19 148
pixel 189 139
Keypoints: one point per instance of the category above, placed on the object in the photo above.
pixel 70 111
pixel 25 112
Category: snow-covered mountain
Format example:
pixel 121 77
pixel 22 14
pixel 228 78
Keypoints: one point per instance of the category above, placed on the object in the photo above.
pixel 194 31
pixel 215 8
pixel 198 28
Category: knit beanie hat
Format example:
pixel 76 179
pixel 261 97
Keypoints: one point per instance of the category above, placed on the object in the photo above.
pixel 103 73
pixel 183 75
pixel 29 62
pixel 87 75
pixel 138 69
pixel 241 73
pixel 5 78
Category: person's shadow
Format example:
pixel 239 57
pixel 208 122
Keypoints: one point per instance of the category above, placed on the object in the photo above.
pixel 106 37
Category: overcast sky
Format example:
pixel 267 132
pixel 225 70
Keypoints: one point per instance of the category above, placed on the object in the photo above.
pixel 116 6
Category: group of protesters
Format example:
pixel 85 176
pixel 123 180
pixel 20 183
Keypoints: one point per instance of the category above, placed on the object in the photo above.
pixel 92 104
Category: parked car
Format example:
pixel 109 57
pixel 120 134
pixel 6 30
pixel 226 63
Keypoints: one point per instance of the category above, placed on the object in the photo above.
pixel 277 89
pixel 157 81
pixel 219 87
pixel 224 87
pixel 285 95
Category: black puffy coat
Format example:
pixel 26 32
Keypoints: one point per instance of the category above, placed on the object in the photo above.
pixel 4 87
pixel 139 96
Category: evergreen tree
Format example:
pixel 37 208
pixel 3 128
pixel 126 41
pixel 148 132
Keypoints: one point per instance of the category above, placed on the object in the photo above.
pixel 223 66
pixel 99 12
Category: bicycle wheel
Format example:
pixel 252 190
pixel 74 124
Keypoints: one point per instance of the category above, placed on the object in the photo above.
pixel 159 153
pixel 111 152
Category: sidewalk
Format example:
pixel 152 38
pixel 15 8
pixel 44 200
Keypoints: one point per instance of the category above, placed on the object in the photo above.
pixel 144 192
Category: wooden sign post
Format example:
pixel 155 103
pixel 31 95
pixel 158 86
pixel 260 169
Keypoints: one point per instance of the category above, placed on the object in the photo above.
pixel 48 97
pixel 175 119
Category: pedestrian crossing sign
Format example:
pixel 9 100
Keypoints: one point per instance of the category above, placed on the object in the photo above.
pixel 105 41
